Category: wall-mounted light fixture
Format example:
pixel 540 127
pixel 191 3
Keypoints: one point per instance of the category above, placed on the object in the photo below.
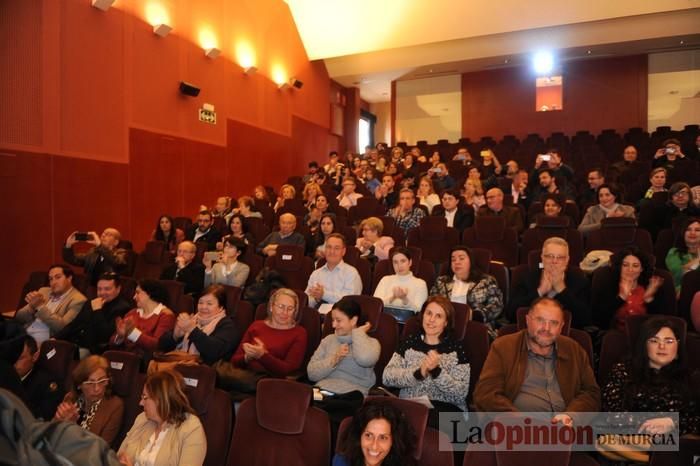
pixel 162 29
pixel 102 4
pixel 212 52
pixel 250 69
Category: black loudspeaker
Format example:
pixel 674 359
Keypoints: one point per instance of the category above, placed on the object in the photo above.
pixel 189 89
pixel 296 83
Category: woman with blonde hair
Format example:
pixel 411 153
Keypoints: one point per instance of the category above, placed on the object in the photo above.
pixel 372 242
pixel 287 192
pixel 311 191
pixel 91 403
pixel 168 432
pixel 473 193
pixel 426 193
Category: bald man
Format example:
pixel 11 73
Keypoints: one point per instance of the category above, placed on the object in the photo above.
pixel 285 235
pixel 494 208
pixel 104 257
pixel 186 269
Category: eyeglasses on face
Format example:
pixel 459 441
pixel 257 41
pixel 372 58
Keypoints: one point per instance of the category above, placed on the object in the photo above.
pixel 283 308
pixel 666 341
pixel 95 383
pixel 552 257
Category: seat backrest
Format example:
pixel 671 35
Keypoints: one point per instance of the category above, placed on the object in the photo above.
pixel 212 406
pixel 127 382
pixel 233 297
pixel 292 264
pixel 36 280
pixel 279 427
pixel 175 291
pixel 154 252
pixel 501 241
pixel 613 349
pixel 435 239
pixel 243 316
pixel 56 357
pixel 690 285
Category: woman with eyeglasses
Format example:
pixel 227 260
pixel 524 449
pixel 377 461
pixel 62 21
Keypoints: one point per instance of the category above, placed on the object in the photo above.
pixel 167 432
pixel 276 345
pixel 656 379
pixel 91 403
pixel 632 289
pixel 684 256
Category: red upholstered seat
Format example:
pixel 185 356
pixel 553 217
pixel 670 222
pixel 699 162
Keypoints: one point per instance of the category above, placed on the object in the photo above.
pixel 292 264
pixel 435 238
pixel 278 426
pixel 491 233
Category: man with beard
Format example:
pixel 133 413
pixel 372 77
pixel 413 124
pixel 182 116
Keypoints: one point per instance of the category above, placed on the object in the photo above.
pixel 538 369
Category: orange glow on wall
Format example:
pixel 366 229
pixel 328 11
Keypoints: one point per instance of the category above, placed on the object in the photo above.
pixel 156 13
pixel 245 54
pixel 279 74
pixel 207 38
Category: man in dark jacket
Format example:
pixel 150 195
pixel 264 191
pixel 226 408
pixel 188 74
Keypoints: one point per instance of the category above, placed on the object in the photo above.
pixel 204 231
pixel 186 269
pixel 105 256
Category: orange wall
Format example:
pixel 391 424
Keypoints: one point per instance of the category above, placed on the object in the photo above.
pixel 598 94
pixel 94 132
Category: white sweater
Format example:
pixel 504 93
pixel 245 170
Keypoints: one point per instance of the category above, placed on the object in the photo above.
pixel 417 291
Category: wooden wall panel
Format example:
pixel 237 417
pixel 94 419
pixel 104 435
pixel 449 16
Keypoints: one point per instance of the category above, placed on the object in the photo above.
pixel 598 94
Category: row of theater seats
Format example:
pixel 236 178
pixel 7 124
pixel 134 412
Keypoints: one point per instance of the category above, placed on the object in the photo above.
pixel 231 438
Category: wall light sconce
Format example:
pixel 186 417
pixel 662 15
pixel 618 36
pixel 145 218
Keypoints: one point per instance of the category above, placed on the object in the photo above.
pixel 212 52
pixel 102 4
pixel 250 69
pixel 283 85
pixel 162 30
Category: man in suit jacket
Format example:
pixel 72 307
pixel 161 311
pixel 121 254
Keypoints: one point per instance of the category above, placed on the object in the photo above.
pixel 457 216
pixel 494 208
pixel 51 308
pixel 42 392
pixel 516 191
pixel 204 231
pixel 105 256
pixel 186 269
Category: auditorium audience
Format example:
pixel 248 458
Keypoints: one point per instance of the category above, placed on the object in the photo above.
pixel 473 193
pixel 467 284
pixel 657 180
pixel 50 308
pixel 186 269
pixel 285 235
pixel 608 206
pixel 334 279
pixel 555 280
pixel 261 194
pixel 90 403
pixel 629 288
pixel 209 333
pixel 545 182
pixel 407 215
pixel 222 208
pixel 238 230
pixel 684 256
pixel 167 232
pixel 656 379
pixel 168 432
pixel 287 192
pixel 552 206
pixel 317 245
pixel 678 205
pixel 42 391
pixel 596 178
pixel 344 360
pixel 426 194
pixel 94 324
pixel 538 369
pixel 372 243
pixel 204 231
pixel 519 194
pixel 431 362
pixel 402 293
pixel 494 208
pixel 670 157
pixel 228 270
pixel 311 190
pixel 379 434
pixel 458 216
pixel 274 346
pixel 629 161
pixel 348 197
pixel 385 193
pixel 142 327
pixel 104 256
pixel 442 179
pixel 246 207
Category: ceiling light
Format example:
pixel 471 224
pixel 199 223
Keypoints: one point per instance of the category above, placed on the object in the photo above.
pixel 162 30
pixel 212 52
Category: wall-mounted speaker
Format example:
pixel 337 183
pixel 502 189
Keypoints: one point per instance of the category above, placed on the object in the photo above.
pixel 189 89
pixel 296 83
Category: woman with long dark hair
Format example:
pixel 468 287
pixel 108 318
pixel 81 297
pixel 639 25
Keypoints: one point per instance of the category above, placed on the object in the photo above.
pixel 684 256
pixel 167 232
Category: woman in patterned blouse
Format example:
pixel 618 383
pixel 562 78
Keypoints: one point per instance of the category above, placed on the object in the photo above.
pixel 656 379
pixel 431 363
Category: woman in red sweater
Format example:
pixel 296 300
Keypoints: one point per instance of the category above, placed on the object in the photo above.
pixel 276 345
pixel 141 328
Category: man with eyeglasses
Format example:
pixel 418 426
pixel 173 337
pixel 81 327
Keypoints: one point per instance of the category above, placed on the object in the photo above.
pixel 42 391
pixel 185 269
pixel 539 370
pixel 553 279
pixel 335 279
pixel 679 204
pixel 494 208
pixel 589 196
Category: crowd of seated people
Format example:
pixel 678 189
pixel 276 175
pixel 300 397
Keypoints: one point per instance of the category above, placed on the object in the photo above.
pixel 409 191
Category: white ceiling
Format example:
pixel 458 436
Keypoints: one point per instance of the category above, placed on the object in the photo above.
pixel 369 43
